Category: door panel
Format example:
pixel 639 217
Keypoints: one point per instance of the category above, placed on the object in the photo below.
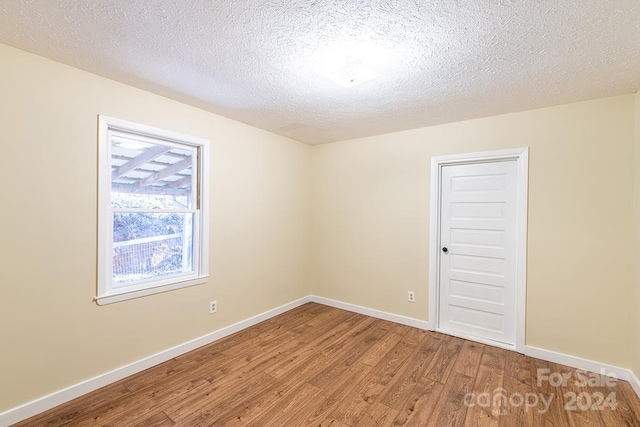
pixel 474 211
pixel 477 238
pixel 477 273
pixel 477 291
pixel 476 320
pixel 480 265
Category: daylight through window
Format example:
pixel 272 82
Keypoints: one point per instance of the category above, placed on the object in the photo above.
pixel 152 210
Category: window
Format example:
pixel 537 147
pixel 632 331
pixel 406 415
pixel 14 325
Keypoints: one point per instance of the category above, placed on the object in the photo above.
pixel 152 218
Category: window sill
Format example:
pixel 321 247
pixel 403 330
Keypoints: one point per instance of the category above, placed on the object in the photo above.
pixel 127 295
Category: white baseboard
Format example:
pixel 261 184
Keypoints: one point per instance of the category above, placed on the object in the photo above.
pixel 586 365
pixel 634 381
pixel 59 397
pixel 422 324
pixel 548 355
pixel 44 403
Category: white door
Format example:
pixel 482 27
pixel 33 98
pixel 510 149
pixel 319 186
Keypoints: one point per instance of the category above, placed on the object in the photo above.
pixel 477 287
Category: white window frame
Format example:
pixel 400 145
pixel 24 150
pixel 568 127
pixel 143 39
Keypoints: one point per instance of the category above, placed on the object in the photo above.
pixel 106 292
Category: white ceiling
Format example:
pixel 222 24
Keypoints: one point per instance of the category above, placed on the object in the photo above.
pixel 265 62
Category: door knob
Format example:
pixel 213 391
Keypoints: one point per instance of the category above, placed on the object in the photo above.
pixel 445 250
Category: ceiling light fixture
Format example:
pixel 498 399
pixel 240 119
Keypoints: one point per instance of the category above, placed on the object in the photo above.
pixel 352 73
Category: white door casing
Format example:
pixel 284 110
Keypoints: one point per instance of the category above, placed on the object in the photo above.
pixel 479 213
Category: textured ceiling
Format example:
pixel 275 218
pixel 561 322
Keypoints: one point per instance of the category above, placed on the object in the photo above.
pixel 265 62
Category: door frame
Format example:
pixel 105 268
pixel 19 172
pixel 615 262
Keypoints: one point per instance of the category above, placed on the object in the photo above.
pixel 521 157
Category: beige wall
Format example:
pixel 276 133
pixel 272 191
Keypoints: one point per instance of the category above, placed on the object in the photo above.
pixel 362 204
pixel 635 365
pixel 52 334
pixel 371 220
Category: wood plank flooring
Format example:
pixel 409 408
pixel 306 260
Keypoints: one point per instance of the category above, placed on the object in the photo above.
pixel 321 366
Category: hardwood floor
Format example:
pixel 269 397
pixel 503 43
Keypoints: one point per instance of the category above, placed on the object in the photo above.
pixel 321 366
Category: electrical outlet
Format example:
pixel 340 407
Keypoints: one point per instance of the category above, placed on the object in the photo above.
pixel 213 307
pixel 411 296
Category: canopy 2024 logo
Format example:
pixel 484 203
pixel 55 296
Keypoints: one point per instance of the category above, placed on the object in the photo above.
pixel 500 400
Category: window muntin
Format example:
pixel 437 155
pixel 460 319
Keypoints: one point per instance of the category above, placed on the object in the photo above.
pixel 151 220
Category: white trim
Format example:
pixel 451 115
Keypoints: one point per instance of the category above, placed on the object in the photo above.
pixel 634 381
pixel 409 321
pixel 150 131
pixel 521 156
pixel 522 226
pixel 107 292
pixel 117 296
pixel 59 397
pixel 547 355
pixel 105 225
pixel 580 363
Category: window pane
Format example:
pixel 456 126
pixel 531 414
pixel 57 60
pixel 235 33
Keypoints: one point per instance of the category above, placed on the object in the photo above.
pixel 151 245
pixel 150 175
